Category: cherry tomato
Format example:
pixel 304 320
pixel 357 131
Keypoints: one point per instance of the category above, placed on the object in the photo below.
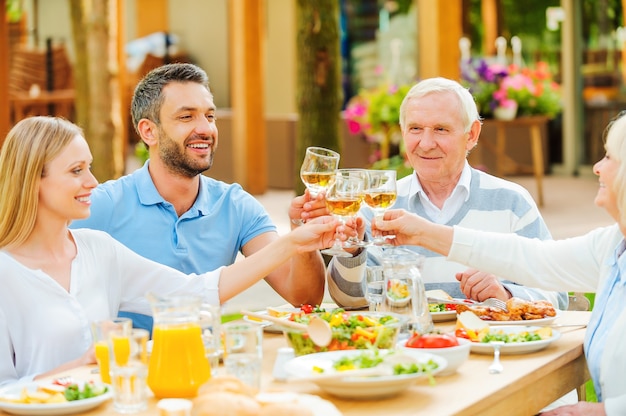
pixel 432 341
pixel 461 333
pixel 306 308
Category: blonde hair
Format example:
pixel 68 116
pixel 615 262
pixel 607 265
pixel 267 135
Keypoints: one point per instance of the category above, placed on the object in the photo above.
pixel 28 147
pixel 616 148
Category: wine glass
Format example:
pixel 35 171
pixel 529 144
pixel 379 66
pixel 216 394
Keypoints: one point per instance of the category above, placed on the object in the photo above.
pixel 318 169
pixel 343 201
pixel 380 195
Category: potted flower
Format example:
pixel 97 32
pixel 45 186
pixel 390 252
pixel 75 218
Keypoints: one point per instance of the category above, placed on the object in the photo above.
pixel 376 114
pixel 496 88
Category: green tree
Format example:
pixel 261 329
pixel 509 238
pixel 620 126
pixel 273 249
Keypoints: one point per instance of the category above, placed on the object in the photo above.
pixel 318 90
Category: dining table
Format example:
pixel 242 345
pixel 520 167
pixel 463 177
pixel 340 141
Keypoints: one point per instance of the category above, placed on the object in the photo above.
pixel 529 382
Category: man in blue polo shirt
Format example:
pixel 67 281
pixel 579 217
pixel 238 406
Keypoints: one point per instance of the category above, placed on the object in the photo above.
pixel 169 212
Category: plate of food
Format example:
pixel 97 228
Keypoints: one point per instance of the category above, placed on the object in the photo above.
pixel 517 339
pixel 278 312
pixel 363 373
pixel 519 312
pixel 441 311
pixel 38 398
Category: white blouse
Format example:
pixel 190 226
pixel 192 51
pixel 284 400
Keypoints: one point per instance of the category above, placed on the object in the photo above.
pixel 42 326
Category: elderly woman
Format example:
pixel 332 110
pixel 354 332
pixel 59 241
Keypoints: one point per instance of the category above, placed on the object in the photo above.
pixel 55 281
pixel 590 263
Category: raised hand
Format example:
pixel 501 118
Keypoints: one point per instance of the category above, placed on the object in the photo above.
pixel 316 234
pixel 306 207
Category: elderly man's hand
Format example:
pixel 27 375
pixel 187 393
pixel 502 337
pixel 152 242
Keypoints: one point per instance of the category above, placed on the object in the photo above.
pixel 305 207
pixel 479 285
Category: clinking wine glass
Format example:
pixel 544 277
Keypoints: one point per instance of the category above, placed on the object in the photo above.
pixel 343 201
pixel 318 169
pixel 380 195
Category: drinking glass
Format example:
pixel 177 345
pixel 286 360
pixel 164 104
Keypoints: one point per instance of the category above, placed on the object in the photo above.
pixel 129 370
pixel 343 201
pixel 100 332
pixel 243 351
pixel 375 287
pixel 380 195
pixel 318 169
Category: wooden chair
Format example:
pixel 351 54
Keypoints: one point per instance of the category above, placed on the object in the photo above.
pixel 41 83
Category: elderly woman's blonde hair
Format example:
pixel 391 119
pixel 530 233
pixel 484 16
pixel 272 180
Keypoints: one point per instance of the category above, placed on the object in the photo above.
pixel 27 148
pixel 615 144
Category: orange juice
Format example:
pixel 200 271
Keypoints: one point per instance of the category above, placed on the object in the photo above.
pixel 178 365
pixel 121 349
pixel 102 356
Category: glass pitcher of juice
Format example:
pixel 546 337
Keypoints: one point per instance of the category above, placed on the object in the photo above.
pixel 405 292
pixel 178 364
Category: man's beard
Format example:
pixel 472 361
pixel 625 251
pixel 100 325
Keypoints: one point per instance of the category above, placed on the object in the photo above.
pixel 175 159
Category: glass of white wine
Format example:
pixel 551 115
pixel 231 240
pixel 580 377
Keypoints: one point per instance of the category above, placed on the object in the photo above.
pixel 343 201
pixel 380 195
pixel 318 169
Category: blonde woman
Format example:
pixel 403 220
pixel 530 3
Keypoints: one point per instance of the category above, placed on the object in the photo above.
pixel 594 262
pixel 55 281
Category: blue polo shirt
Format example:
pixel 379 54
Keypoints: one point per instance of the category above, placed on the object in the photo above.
pixel 221 221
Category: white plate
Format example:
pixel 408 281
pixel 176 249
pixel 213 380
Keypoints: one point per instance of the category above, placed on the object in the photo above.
pixel 534 322
pixel 267 325
pixel 64 408
pixel 516 347
pixel 443 316
pixel 370 387
pixel 318 406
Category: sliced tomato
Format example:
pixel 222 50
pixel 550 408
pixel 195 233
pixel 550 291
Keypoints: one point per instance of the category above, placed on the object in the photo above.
pixel 461 333
pixel 432 341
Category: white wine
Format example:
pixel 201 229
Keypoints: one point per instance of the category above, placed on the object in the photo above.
pixel 317 181
pixel 380 200
pixel 344 206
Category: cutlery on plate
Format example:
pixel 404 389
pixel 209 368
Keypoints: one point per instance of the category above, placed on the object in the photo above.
pixel 491 302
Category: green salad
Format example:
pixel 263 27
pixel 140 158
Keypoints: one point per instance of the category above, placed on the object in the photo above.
pixel 350 331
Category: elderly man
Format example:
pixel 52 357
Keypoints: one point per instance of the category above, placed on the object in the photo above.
pixel 440 125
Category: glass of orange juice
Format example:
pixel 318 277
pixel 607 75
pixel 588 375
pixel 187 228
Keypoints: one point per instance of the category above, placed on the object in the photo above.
pixel 100 331
pixel 129 369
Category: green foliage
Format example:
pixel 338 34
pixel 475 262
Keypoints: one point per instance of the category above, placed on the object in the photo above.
pixel 397 163
pixel 141 152
pixel 14 11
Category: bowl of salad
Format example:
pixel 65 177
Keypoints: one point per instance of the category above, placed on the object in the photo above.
pixel 350 331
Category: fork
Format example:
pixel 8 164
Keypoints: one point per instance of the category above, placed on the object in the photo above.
pixel 496 366
pixel 491 302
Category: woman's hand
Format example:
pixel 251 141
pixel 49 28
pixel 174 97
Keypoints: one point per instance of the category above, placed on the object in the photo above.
pixel 316 234
pixel 411 229
pixel 403 224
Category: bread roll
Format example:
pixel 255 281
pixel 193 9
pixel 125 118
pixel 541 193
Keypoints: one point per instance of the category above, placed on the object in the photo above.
pixel 225 403
pixel 285 409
